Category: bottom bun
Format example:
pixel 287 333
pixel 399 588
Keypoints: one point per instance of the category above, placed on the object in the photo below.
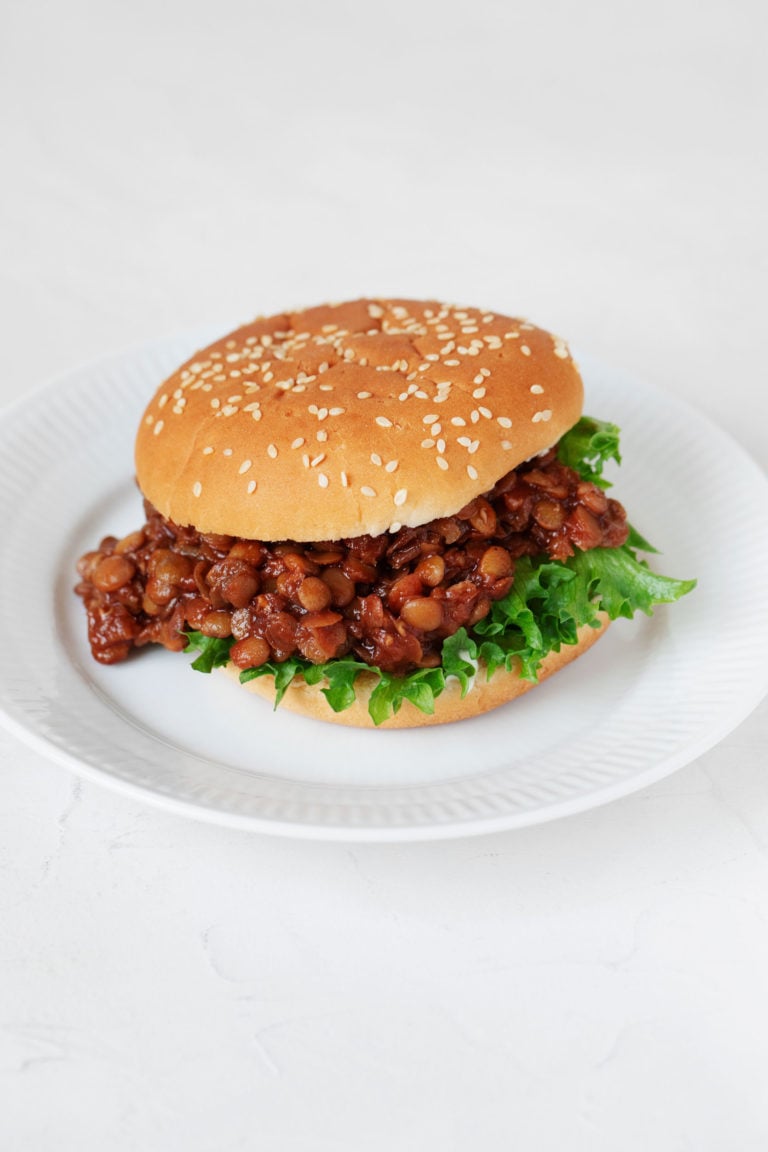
pixel 450 705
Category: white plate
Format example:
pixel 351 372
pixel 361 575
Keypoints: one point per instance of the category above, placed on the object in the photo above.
pixel 649 698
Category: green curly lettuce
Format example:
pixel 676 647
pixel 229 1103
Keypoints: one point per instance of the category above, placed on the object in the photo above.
pixel 548 603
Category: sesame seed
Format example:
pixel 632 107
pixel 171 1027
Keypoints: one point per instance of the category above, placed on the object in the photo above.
pixel 375 459
pixel 229 410
pixel 383 422
pixel 367 491
pixel 477 380
pixel 429 419
pixel 474 415
pixel 215 403
pixel 403 396
pixel 473 447
pixel 227 452
pixel 344 480
pixel 441 462
pixel 246 464
pixel 395 526
pixel 451 363
pixel 485 372
pixel 298 442
pixel 162 401
pixel 251 487
pixel 197 488
pixel 375 311
pixel 486 412
pixel 545 414
pixel 525 350
pixel 479 393
pixel 272 451
pixel 334 412
pixel 401 496
pixel 158 428
pixel 458 421
pixel 421 395
pixel 504 421
pixel 268 376
pixel 364 395
pixel 432 356
pixel 317 460
pixel 471 472
pixel 256 413
pixel 207 450
pixel 441 446
pixel 436 429
pixel 391 466
pixel 427 443
pixel 561 351
pixel 321 435
pixel 322 479
pixel 464 441
pixel 305 459
pixel 506 445
pixel 536 389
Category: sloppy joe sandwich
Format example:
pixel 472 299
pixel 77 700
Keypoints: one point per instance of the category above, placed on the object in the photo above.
pixel 377 512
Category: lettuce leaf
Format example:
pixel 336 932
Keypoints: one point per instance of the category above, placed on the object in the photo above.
pixel 214 653
pixel 588 447
pixel 562 597
pixel 546 606
pixel 283 673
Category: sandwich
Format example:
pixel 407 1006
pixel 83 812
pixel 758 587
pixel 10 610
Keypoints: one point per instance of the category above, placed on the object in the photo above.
pixel 380 512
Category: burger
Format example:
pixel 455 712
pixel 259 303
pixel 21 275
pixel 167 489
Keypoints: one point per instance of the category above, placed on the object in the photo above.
pixel 380 512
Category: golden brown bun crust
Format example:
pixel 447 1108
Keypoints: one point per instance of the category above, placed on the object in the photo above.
pixel 449 705
pixel 352 418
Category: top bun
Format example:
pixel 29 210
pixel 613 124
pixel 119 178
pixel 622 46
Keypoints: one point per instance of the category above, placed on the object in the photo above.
pixel 352 418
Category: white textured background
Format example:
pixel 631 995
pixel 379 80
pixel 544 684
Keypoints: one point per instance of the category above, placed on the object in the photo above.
pixel 595 984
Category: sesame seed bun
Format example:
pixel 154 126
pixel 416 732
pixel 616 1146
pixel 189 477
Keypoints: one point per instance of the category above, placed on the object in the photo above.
pixel 484 695
pixel 352 418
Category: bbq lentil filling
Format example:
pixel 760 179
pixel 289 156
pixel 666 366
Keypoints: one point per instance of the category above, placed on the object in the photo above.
pixel 390 599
